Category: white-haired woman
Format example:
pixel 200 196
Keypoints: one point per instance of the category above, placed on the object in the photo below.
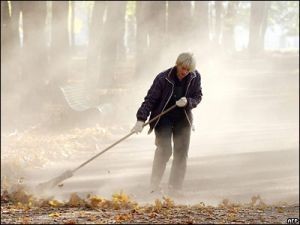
pixel 180 85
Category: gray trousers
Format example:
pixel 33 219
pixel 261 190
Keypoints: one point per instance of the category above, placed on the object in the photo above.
pixel 180 133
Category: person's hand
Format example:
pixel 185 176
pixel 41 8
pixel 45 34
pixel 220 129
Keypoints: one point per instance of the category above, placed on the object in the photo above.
pixel 181 102
pixel 138 127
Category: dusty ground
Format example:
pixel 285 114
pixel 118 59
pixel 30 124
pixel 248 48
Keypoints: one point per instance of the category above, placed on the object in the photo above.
pixel 219 188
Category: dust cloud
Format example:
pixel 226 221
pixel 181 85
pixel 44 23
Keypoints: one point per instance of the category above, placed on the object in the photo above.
pixel 246 140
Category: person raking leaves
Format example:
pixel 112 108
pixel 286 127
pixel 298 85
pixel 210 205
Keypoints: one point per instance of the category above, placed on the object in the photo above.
pixel 180 85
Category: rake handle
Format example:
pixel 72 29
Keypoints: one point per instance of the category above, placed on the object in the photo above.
pixel 122 139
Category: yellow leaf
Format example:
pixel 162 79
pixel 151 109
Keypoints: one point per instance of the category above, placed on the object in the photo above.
pixel 120 197
pixel 158 205
pixel 70 222
pixel 54 203
pixel 56 214
pixel 123 217
pixel 168 202
pixel 25 220
pixel 96 201
pixel 231 216
pixel 280 209
pixel 92 218
pixel 75 200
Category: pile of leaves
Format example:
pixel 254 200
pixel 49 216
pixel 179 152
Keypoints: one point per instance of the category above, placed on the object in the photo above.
pixel 34 147
pixel 20 197
pixel 21 207
pixel 31 149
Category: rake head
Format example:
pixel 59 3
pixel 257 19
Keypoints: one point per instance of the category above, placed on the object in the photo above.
pixel 55 181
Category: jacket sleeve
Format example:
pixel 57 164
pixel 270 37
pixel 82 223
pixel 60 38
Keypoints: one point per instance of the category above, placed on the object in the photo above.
pixel 195 96
pixel 151 99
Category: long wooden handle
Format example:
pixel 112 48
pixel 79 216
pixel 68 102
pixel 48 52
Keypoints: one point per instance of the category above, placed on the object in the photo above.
pixel 122 139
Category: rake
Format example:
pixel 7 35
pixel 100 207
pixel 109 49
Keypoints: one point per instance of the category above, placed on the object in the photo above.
pixel 69 173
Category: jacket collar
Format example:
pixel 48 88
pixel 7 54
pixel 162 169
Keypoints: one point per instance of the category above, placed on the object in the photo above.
pixel 169 77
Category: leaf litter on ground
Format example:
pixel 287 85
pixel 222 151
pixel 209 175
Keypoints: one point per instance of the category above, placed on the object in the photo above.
pixel 122 209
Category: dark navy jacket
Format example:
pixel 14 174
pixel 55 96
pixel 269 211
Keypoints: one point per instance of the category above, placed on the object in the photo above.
pixel 161 92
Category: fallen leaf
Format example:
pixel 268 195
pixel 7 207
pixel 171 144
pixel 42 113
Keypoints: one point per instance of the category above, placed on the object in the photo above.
pixel 123 217
pixel 25 220
pixel 70 222
pixel 55 203
pixel 75 200
pixel 56 214
pixel 168 202
pixel 158 205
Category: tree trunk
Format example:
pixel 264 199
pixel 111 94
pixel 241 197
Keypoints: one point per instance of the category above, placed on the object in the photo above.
pixel 60 46
pixel 5 29
pixel 10 38
pixel 142 18
pixel 5 19
pixel 10 48
pixel 34 51
pixel 201 22
pixel 228 27
pixel 257 28
pixel 95 40
pixel 131 28
pixel 151 35
pixel 5 25
pixel 179 27
pixel 157 29
pixel 264 24
pixel 72 5
pixel 11 87
pixel 60 54
pixel 219 9
pixel 112 43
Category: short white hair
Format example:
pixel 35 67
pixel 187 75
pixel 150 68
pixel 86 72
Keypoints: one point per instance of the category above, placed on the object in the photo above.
pixel 186 59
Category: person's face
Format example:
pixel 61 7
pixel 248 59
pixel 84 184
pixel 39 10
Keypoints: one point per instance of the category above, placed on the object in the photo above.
pixel 182 71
